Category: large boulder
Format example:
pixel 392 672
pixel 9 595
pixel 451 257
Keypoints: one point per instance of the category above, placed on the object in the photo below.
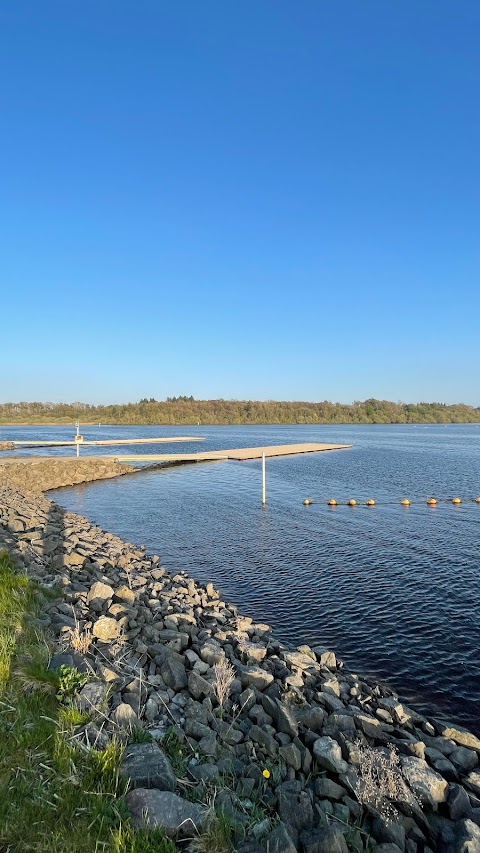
pixel 279 840
pixel 150 808
pixel 294 808
pixel 106 629
pixel 328 839
pixel 460 735
pixel 430 788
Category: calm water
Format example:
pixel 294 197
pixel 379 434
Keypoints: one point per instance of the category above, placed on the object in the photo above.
pixel 394 591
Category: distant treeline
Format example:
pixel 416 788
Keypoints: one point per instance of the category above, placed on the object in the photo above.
pixel 186 410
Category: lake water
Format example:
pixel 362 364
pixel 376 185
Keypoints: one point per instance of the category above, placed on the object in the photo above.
pixel 394 591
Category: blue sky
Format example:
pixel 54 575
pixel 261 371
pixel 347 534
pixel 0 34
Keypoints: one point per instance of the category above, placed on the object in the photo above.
pixel 264 199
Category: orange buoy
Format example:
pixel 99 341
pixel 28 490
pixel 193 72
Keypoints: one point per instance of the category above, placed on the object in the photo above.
pixel 332 502
pixel 456 501
pixel 477 500
pixel 405 502
pixel 351 502
pixel 370 503
pixel 432 502
pixel 307 502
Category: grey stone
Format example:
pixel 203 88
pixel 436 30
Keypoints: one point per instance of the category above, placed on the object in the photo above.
pixel 329 755
pixel 73 559
pixel 325 788
pixel 294 808
pixel 458 803
pixel 446 769
pixel 460 736
pixel 253 651
pixel 266 740
pixel 279 841
pixel 193 728
pixel 247 699
pixel 198 686
pixel 331 702
pixel 60 659
pixel 92 696
pixel 466 838
pixel 147 766
pixel 325 657
pixel 152 808
pixel 301 661
pixel 98 594
pixel 228 803
pixel 107 674
pixel 261 828
pixel 255 676
pixel 291 755
pixel 106 628
pixel 212 653
pixel 124 594
pixel 342 723
pixel 401 714
pixel 388 832
pixel 429 786
pixel 284 718
pixel 208 745
pixel 60 623
pixel 228 732
pixel 204 772
pixel 124 716
pixel 260 716
pixel 173 671
pixel 95 737
pixel 473 781
pixel 463 758
pixel 328 839
pixel 332 685
pixel 388 847
pixel 369 725
pixel 310 716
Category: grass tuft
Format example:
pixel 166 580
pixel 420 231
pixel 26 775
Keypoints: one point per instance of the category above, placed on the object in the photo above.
pixel 54 793
pixel 216 836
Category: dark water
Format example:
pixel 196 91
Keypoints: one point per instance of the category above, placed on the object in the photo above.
pixel 394 591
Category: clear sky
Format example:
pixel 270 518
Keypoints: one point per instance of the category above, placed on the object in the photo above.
pixel 260 199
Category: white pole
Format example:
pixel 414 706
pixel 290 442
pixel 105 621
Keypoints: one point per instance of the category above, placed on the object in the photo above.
pixel 78 448
pixel 264 496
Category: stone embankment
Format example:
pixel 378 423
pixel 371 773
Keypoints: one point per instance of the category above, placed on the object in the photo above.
pixel 7 445
pixel 40 473
pixel 298 754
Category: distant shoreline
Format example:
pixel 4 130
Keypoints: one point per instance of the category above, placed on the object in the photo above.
pixel 238 423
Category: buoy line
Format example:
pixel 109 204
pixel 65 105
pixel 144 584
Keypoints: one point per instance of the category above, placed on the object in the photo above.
pixel 403 502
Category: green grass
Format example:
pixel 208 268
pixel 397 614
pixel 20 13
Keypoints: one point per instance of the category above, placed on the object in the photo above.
pixel 54 796
pixel 175 751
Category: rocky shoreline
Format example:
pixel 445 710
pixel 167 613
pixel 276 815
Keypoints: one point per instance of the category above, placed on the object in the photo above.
pixel 336 761
pixel 41 473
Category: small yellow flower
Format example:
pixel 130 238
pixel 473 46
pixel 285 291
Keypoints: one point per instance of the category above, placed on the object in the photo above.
pixel 180 751
pixel 266 773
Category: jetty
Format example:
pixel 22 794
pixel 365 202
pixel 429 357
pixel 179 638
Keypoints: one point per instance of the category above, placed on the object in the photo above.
pixel 105 442
pixel 240 454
